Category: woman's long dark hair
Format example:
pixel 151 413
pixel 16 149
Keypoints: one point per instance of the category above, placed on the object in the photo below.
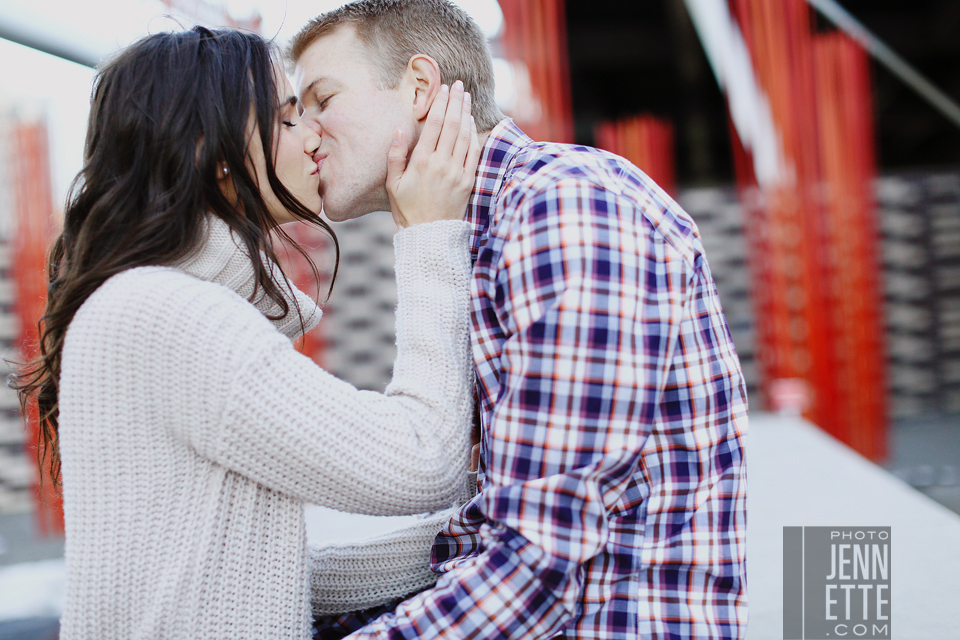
pixel 167 114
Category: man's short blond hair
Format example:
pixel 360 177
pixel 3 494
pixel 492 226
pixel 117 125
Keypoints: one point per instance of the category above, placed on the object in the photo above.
pixel 393 31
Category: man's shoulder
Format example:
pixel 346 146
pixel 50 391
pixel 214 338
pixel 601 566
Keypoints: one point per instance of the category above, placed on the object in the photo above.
pixel 546 166
pixel 527 165
pixel 542 164
pixel 556 170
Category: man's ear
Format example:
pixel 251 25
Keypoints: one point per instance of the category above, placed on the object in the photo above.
pixel 422 78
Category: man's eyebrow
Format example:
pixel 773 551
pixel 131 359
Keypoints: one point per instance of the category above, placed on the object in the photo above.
pixel 310 86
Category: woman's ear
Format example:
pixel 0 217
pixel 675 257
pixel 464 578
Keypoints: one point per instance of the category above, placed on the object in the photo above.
pixel 225 182
pixel 422 79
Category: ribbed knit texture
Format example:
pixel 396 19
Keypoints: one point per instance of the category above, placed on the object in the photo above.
pixel 191 432
pixel 224 260
pixel 360 575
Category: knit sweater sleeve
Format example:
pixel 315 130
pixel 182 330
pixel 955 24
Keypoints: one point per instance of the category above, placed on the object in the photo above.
pixel 291 426
pixel 358 575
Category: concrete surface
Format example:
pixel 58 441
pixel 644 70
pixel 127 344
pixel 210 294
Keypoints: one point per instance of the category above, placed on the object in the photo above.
pixel 799 476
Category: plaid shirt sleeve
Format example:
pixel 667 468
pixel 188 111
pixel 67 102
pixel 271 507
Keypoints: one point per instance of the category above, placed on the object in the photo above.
pixel 594 327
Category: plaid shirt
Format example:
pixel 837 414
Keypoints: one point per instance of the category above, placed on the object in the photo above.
pixel 613 410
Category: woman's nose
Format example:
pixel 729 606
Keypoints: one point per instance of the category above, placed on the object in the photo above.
pixel 312 125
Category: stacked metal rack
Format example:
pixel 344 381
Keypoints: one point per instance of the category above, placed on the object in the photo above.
pixel 919 217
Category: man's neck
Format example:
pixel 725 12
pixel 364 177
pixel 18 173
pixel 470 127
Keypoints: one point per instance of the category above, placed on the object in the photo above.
pixel 483 135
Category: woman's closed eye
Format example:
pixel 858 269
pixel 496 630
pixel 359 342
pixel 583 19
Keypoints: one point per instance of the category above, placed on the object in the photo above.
pixel 289 116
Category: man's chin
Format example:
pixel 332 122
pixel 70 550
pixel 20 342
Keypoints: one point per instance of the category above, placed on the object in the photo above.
pixel 343 215
pixel 335 214
pixel 342 212
pixel 329 210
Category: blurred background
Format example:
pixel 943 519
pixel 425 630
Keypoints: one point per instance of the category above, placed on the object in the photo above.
pixel 816 145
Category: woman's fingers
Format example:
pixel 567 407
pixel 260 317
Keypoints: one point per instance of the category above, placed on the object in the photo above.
pixel 452 119
pixel 431 130
pixel 462 145
pixel 473 155
pixel 437 181
pixel 396 164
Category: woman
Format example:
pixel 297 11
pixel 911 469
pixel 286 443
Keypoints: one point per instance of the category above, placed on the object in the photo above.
pixel 188 429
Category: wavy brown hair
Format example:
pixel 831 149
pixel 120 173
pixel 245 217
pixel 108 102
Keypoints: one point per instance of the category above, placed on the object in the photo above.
pixel 167 114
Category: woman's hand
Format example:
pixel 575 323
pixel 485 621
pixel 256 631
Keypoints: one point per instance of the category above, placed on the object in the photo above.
pixel 436 183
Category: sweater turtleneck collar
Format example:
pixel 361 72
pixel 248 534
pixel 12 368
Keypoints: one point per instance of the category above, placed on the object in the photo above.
pixel 223 259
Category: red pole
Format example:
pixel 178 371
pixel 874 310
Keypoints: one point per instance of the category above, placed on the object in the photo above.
pixel 643 140
pixel 534 34
pixel 813 236
pixel 319 247
pixel 35 223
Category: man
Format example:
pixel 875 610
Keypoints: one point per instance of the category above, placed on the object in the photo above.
pixel 613 406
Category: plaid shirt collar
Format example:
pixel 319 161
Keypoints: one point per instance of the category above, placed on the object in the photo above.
pixel 504 143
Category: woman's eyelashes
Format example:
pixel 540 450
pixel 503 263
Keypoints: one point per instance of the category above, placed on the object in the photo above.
pixel 289 116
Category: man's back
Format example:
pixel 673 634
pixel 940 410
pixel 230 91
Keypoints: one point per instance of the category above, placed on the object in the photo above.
pixel 612 400
pixel 613 499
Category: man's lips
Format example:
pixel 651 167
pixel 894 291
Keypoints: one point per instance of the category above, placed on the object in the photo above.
pixel 316 173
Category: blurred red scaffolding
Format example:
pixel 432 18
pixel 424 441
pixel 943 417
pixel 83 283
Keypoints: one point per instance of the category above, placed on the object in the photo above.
pixel 319 247
pixel 645 141
pixel 35 228
pixel 813 235
pixel 535 35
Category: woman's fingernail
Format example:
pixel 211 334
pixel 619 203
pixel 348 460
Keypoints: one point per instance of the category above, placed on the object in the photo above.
pixel 397 136
pixel 466 97
pixel 444 88
pixel 458 84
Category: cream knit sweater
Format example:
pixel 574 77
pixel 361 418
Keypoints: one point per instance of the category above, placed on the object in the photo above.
pixel 191 433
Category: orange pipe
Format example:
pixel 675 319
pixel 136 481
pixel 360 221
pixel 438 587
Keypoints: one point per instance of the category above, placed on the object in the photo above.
pixel 814 258
pixel 35 225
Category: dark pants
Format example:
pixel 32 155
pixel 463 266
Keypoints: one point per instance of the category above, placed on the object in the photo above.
pixel 341 625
